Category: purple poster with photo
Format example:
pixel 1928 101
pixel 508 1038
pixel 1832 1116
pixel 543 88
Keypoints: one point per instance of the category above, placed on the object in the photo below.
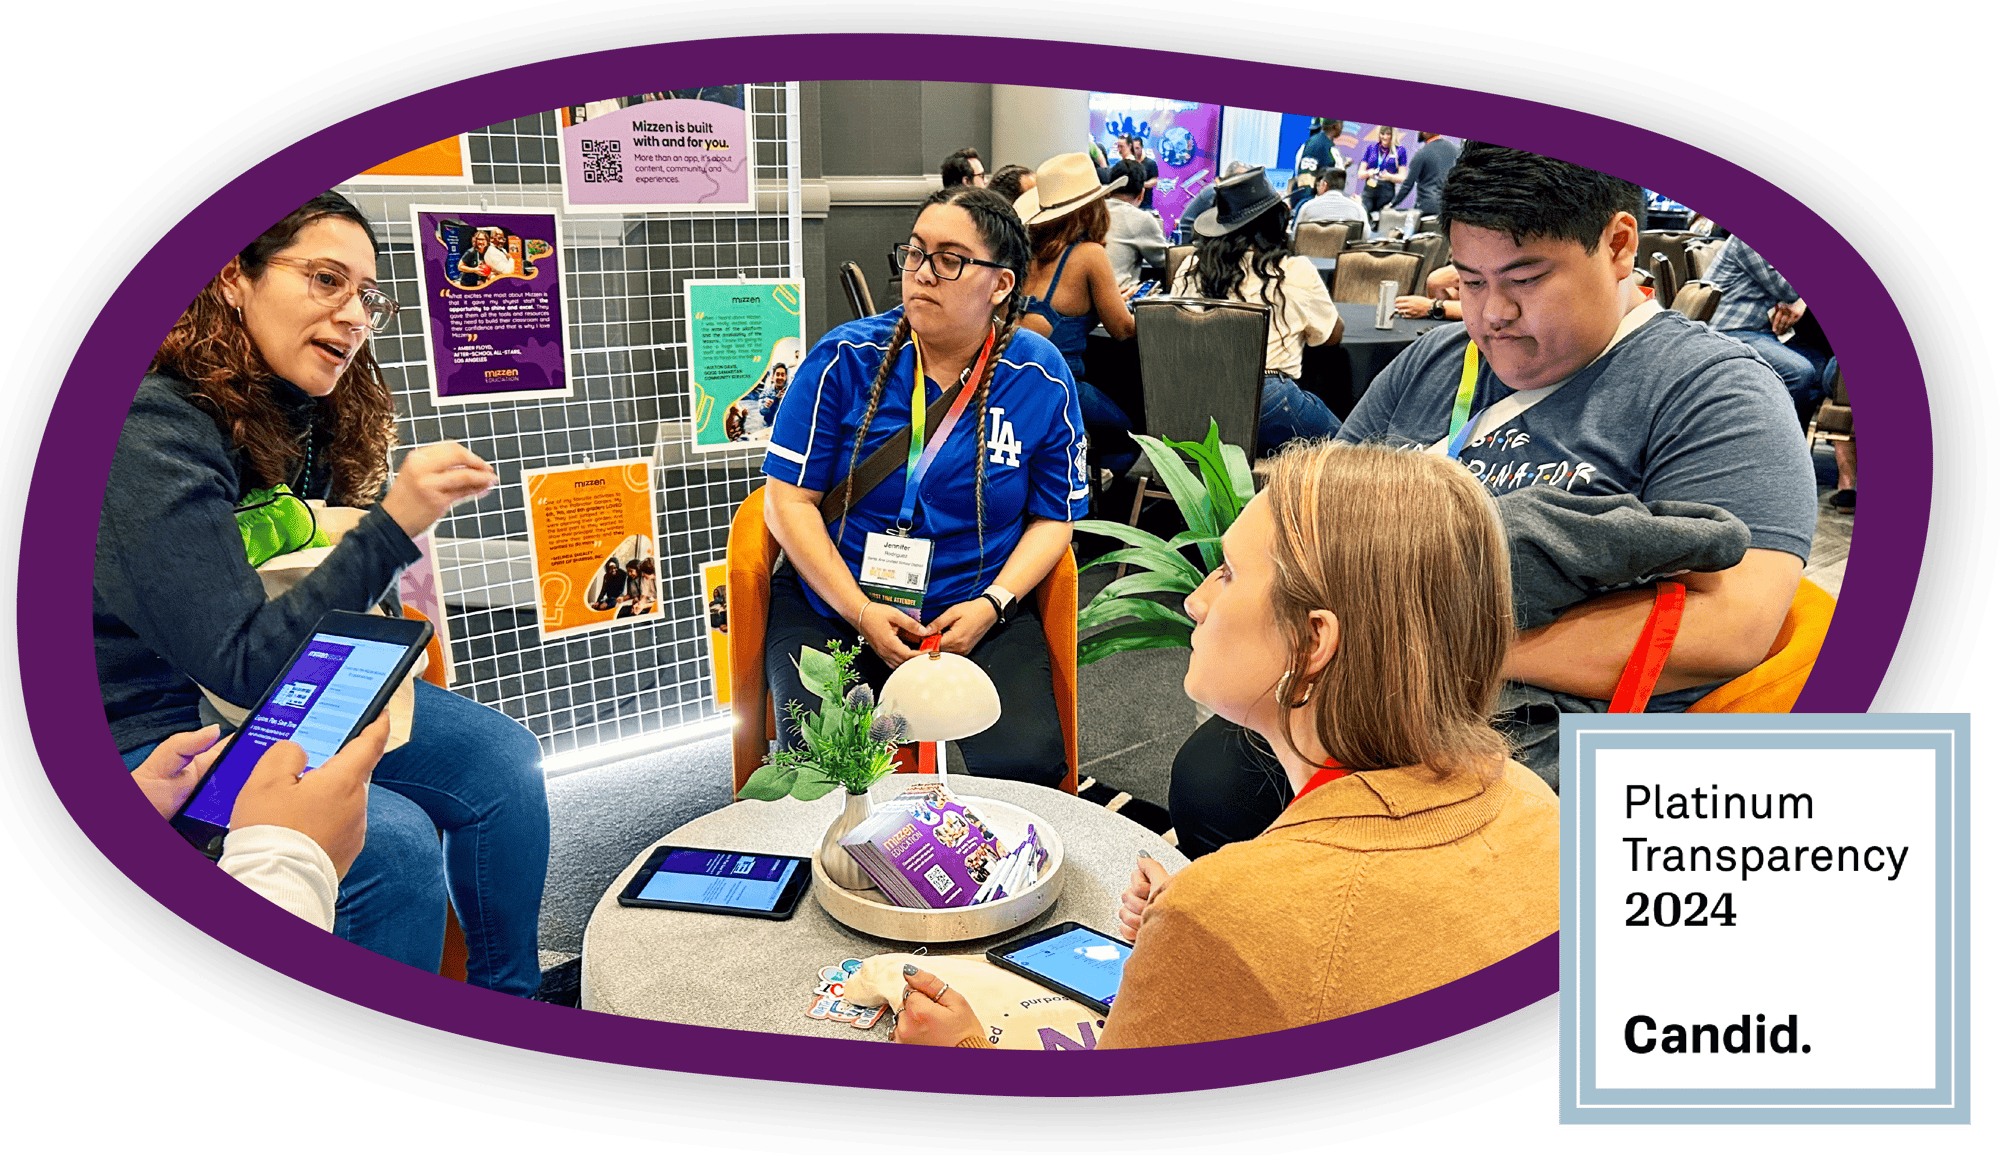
pixel 494 315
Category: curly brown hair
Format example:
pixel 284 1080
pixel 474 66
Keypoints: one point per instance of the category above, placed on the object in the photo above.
pixel 212 352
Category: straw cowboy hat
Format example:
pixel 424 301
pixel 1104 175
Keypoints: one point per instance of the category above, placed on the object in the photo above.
pixel 1063 185
pixel 1239 200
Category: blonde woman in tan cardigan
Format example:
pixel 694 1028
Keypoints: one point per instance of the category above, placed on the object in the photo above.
pixel 1357 624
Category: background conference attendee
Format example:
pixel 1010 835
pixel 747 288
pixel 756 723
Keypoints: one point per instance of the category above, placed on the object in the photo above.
pixel 963 167
pixel 1071 287
pixel 1358 625
pixel 1758 307
pixel 267 379
pixel 1384 168
pixel 1428 169
pixel 1244 253
pixel 1133 236
pixel 1332 203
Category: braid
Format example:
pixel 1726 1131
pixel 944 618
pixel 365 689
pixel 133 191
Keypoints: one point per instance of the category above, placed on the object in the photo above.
pixel 875 388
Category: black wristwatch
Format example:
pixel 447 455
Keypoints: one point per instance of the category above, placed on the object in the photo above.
pixel 1437 309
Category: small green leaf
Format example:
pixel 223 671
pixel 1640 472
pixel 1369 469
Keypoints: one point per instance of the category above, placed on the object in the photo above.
pixel 820 673
pixel 1101 612
pixel 1242 483
pixel 1157 557
pixel 1186 488
pixel 1144 582
pixel 769 782
pixel 809 787
pixel 1130 636
pixel 1129 534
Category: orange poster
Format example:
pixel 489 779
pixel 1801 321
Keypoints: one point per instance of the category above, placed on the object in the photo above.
pixel 444 162
pixel 715 603
pixel 591 533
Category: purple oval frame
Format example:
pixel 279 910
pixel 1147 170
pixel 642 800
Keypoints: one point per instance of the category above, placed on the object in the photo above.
pixel 63 700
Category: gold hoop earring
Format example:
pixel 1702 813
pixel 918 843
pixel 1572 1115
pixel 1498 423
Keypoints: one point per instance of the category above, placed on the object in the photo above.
pixel 1284 683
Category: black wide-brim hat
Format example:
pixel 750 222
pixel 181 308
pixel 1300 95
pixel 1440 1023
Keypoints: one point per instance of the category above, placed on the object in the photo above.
pixel 1239 200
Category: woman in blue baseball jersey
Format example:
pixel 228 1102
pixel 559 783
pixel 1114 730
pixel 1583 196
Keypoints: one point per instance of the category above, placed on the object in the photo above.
pixel 974 524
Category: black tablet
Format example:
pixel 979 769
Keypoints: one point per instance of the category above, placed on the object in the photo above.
pixel 1069 959
pixel 719 882
pixel 335 683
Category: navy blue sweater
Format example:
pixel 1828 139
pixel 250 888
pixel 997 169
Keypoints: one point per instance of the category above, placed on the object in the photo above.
pixel 174 600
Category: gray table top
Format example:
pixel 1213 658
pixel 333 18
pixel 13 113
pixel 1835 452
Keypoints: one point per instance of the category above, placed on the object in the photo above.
pixel 758 975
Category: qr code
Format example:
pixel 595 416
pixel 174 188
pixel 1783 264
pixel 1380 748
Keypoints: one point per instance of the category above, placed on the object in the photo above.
pixel 939 880
pixel 601 162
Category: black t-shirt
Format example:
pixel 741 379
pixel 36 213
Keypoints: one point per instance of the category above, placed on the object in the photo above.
pixel 1152 174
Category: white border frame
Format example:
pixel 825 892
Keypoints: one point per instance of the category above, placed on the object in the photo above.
pixel 658 613
pixel 694 444
pixel 420 239
pixel 749 160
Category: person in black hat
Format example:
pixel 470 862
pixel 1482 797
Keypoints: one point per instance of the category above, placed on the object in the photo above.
pixel 1243 252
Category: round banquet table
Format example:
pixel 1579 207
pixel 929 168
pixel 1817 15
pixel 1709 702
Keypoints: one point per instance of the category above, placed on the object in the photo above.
pixel 758 975
pixel 1340 374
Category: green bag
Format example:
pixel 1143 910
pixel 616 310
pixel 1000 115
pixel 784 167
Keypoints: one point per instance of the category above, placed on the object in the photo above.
pixel 276 521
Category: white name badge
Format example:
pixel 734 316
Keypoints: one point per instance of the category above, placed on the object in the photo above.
pixel 896 570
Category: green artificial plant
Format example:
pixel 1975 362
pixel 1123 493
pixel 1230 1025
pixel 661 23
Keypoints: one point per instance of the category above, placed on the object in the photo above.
pixel 1209 495
pixel 847 744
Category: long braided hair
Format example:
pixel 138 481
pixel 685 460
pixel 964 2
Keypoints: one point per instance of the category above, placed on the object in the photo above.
pixel 1001 231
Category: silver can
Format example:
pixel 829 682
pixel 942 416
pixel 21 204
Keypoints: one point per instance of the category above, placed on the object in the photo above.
pixel 1385 305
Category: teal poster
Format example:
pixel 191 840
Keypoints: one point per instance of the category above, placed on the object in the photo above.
pixel 745 340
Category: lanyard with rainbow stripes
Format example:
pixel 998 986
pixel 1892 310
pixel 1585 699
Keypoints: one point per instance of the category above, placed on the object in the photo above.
pixel 922 451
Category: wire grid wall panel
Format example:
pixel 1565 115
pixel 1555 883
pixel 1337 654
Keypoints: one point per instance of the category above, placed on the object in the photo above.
pixel 624 277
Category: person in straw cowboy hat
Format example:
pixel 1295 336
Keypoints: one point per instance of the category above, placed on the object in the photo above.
pixel 1071 288
pixel 1243 252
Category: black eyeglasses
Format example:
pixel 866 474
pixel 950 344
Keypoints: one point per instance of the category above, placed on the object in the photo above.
pixel 945 266
pixel 327 284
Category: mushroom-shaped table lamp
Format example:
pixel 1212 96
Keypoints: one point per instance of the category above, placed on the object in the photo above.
pixel 943 697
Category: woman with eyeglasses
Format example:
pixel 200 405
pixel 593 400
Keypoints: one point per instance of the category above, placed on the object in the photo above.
pixel 955 535
pixel 267 380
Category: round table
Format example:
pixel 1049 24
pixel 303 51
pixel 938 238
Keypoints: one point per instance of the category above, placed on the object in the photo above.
pixel 1341 373
pixel 758 975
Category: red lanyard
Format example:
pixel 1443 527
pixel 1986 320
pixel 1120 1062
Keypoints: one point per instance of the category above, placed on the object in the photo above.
pixel 1649 654
pixel 1328 771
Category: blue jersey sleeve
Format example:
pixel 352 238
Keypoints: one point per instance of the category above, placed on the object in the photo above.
pixel 1058 478
pixel 809 438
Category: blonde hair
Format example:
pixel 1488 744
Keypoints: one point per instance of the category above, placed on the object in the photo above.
pixel 1407 551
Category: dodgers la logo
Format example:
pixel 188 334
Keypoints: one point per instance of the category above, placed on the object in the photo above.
pixel 1000 439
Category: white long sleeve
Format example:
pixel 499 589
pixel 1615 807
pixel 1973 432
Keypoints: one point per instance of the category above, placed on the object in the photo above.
pixel 286 867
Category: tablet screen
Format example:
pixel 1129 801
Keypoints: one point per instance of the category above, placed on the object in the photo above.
pixel 1082 960
pixel 720 878
pixel 316 705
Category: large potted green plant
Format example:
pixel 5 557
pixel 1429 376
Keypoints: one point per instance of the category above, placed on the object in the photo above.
pixel 847 744
pixel 1210 493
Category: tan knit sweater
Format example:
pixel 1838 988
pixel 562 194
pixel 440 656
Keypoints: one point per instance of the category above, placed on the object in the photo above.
pixel 1372 888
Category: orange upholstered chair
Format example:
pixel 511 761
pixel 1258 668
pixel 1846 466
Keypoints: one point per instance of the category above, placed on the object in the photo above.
pixel 753 551
pixel 1774 686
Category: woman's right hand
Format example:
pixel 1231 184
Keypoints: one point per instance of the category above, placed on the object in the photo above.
pixel 1149 882
pixel 329 805
pixel 883 626
pixel 433 479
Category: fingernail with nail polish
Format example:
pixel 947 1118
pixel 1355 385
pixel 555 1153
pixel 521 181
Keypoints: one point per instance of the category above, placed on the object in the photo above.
pixel 909 968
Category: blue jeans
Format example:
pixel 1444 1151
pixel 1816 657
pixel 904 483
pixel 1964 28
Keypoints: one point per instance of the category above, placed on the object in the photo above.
pixel 1290 412
pixel 1806 372
pixel 475 775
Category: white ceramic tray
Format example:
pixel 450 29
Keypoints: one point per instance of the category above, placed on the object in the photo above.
pixel 870 912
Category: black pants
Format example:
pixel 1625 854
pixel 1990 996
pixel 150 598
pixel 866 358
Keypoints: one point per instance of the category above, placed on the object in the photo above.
pixel 1374 200
pixel 1025 745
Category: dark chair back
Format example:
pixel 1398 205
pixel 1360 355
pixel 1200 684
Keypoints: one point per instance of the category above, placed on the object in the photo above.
pixel 1361 271
pixel 1701 254
pixel 1697 300
pixel 1322 238
pixel 1198 359
pixel 855 285
pixel 1433 249
pixel 1674 245
pixel 1667 277
pixel 1176 257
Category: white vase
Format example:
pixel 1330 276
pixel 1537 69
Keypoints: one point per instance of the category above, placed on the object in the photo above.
pixel 839 865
